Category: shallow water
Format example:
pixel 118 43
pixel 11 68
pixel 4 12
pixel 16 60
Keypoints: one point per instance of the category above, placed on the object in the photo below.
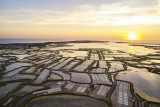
pixel 65 101
pixel 64 75
pixel 140 78
pixel 21 56
pixel 4 90
pixel 146 84
pixel 73 53
pixel 16 65
pixel 80 77
pixel 137 50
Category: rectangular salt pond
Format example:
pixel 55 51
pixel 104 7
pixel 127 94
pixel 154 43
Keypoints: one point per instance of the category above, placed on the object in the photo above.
pixel 16 65
pixel 80 77
pixel 73 53
pixel 20 56
pixel 4 90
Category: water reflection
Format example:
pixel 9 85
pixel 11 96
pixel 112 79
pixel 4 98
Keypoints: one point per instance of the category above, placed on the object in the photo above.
pixel 81 77
pixel 4 90
pixel 73 53
pixel 131 49
pixel 137 50
pixel 16 65
pixel 142 79
pixel 65 101
pixel 64 75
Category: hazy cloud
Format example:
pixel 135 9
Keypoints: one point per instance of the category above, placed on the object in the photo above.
pixel 82 12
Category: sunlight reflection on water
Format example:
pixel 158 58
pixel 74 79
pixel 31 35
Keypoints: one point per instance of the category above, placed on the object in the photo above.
pixel 137 50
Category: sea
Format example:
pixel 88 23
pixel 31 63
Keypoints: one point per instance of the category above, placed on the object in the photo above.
pixel 33 40
pixel 25 40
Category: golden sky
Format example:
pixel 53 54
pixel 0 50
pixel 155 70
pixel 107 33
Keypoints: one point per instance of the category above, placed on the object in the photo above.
pixel 80 19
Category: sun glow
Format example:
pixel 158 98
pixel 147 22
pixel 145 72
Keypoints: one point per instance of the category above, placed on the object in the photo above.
pixel 132 36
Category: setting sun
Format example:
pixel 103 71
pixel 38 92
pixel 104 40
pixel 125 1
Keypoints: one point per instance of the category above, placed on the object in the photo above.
pixel 132 36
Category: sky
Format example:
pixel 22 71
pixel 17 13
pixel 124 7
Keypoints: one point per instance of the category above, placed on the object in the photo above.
pixel 80 19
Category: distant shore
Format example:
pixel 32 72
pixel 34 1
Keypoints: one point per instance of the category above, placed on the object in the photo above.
pixel 29 45
pixel 34 40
